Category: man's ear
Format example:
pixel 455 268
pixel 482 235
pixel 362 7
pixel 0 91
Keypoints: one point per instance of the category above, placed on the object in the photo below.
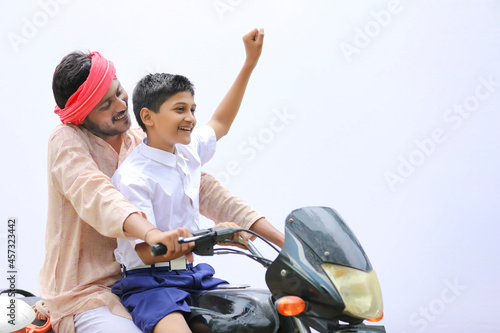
pixel 146 117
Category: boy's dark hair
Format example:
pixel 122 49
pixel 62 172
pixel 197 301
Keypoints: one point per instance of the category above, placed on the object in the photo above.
pixel 69 75
pixel 154 89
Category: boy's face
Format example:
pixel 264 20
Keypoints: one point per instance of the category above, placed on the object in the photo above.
pixel 173 123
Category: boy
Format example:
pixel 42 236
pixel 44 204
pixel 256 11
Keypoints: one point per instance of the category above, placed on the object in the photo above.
pixel 162 177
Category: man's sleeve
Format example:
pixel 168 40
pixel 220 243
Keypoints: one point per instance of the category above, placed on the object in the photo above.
pixel 220 205
pixel 75 174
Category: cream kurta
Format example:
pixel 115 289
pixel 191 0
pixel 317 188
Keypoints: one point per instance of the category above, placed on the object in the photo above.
pixel 86 214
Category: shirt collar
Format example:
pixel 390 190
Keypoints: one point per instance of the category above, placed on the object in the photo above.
pixel 161 156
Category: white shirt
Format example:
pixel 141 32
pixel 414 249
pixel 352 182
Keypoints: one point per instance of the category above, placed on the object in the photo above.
pixel 164 186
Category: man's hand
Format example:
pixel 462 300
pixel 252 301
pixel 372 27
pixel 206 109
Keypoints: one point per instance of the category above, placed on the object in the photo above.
pixel 253 46
pixel 236 237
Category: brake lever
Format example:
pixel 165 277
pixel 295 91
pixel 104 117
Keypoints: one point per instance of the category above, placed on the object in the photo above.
pixel 182 240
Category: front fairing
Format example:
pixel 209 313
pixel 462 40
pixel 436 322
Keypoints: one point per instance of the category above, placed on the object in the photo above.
pixel 315 236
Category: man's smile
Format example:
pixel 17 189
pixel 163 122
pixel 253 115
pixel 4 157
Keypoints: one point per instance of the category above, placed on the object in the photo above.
pixel 120 116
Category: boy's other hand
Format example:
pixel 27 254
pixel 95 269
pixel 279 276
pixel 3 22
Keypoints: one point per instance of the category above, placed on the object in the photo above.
pixel 253 46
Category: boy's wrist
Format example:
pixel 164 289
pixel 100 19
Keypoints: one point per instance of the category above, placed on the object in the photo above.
pixel 149 232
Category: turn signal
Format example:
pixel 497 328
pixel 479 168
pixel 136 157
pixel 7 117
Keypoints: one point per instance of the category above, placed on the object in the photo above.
pixel 376 319
pixel 290 305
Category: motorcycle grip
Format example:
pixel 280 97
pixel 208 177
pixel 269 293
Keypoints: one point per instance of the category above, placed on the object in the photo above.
pixel 158 250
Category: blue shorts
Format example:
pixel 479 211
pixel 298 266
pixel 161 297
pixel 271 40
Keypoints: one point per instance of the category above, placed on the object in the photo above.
pixel 150 294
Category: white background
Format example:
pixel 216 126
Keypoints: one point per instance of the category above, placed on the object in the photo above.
pixel 367 94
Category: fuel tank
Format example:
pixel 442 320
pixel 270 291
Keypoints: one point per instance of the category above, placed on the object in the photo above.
pixel 233 310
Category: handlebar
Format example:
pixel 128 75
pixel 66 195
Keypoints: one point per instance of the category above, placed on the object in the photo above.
pixel 206 239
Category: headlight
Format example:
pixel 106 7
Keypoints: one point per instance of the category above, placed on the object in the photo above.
pixel 359 290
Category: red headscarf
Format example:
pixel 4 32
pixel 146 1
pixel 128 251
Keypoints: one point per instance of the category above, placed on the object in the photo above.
pixel 79 105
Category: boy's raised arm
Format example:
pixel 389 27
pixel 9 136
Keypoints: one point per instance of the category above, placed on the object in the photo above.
pixel 225 113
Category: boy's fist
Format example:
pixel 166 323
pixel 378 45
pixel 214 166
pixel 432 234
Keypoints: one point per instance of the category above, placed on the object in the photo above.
pixel 253 45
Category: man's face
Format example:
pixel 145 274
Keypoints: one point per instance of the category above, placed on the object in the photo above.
pixel 110 116
pixel 173 123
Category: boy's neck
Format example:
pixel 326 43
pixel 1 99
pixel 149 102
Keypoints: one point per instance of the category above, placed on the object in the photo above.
pixel 155 142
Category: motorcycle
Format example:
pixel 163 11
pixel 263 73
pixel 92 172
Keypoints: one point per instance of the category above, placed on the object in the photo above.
pixel 321 280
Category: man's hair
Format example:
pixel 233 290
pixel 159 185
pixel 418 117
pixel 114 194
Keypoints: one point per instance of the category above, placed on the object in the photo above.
pixel 69 75
pixel 154 89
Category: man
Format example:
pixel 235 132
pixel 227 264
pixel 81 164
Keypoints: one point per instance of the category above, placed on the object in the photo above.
pixel 86 213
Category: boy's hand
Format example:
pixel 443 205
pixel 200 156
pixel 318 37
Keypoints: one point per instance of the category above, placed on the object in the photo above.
pixel 253 46
pixel 169 239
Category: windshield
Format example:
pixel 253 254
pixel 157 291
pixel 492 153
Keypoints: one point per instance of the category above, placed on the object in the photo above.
pixel 324 231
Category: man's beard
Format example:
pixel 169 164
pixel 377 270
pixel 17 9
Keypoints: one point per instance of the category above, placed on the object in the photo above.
pixel 103 130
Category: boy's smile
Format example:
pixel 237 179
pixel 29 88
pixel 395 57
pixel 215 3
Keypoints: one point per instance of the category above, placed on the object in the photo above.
pixel 173 123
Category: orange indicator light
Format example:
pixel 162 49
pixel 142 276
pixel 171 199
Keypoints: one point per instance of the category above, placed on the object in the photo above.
pixel 376 319
pixel 290 305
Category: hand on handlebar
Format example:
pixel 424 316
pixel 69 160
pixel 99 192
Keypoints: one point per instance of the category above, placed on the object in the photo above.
pixel 170 240
pixel 223 233
pixel 239 237
pixel 202 241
